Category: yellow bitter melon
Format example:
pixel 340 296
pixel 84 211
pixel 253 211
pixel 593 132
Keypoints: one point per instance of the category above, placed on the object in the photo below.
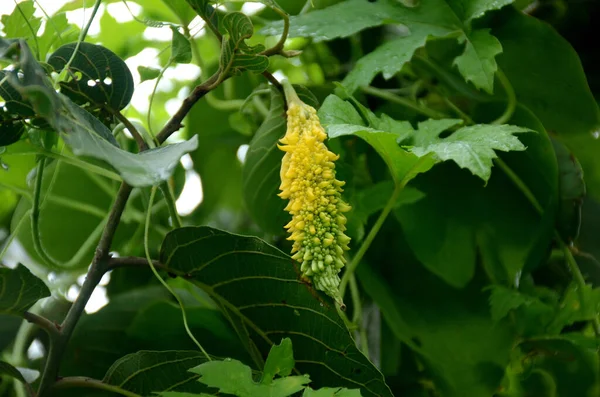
pixel 315 203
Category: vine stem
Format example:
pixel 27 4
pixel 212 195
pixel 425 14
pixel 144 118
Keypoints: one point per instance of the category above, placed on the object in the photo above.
pixel 383 94
pixel 569 258
pixel 82 36
pixel 163 282
pixel 578 277
pixel 349 273
pixel 511 96
pixel 35 215
pixel 80 381
pixel 169 195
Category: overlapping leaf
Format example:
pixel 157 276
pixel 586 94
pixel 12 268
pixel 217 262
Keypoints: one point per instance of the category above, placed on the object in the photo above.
pixel 98 75
pixel 236 55
pixel 258 289
pixel 19 290
pixel 429 19
pixel 146 372
pixel 86 135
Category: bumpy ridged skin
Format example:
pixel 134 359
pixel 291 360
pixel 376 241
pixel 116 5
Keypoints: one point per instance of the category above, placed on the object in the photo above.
pixel 315 203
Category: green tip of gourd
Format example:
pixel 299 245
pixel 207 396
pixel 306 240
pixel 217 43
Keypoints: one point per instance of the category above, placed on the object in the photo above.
pixel 290 93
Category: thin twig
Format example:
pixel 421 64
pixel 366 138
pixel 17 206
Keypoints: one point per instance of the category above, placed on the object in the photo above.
pixel 383 94
pixel 174 123
pixel 80 382
pixel 277 48
pixel 51 328
pixel 510 96
pixel 273 80
pixel 132 261
pixel 142 145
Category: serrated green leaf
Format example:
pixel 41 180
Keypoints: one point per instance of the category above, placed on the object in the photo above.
pixel 156 371
pixel 331 392
pixel 233 377
pixel 19 290
pixel 450 228
pixel 470 147
pixel 21 23
pixel 478 61
pixel 429 19
pixel 403 165
pixel 57 31
pixel 578 304
pixel 258 289
pixel 98 75
pixel 280 361
pixel 181 49
pixel 503 300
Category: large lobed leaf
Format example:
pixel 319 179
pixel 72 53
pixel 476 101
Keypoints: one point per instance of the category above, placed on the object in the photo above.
pixel 259 290
pixel 470 147
pixel 429 19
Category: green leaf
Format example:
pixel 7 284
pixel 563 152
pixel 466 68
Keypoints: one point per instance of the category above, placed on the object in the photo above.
pixel 365 202
pixel 570 365
pixel 97 75
pixel 478 62
pixel 147 73
pixel 233 377
pixel 280 361
pixel 578 304
pixel 461 349
pixel 472 9
pixel 104 339
pixel 181 49
pixel 14 102
pixel 236 55
pixel 57 31
pixel 19 290
pixel 535 67
pixel 260 173
pixel 470 147
pixel 74 196
pixel 331 392
pixel 180 8
pixel 7 369
pixel 145 372
pixel 503 300
pixel 21 23
pixel 86 135
pixel 572 192
pixel 336 116
pixel 434 18
pixel 258 289
pixel 147 168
